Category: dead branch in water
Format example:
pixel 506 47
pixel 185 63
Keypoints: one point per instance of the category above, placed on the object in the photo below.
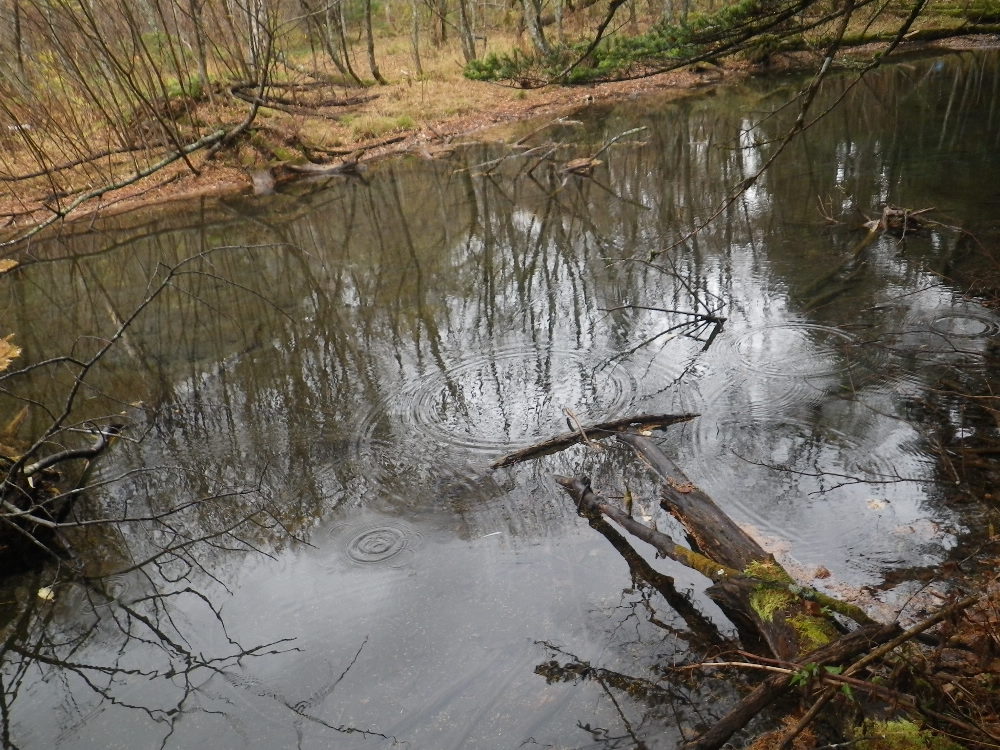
pixel 595 431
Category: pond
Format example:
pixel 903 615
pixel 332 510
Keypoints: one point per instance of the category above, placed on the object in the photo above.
pixel 317 382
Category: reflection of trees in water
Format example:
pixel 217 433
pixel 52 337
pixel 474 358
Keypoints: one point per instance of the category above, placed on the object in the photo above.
pixel 390 282
pixel 667 689
pixel 424 259
pixel 105 644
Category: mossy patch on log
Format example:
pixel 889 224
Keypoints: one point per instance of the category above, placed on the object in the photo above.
pixel 900 734
pixel 813 631
pixel 767 601
pixel 767 570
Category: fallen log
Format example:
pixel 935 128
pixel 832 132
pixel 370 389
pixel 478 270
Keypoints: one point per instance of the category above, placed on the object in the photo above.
pixel 595 431
pixel 759 600
pixel 758 595
pixel 709 530
pixel 772 612
pixel 712 532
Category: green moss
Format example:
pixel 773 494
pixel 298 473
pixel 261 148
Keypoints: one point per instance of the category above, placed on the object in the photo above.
pixel 813 631
pixel 767 570
pixel 767 601
pixel 900 734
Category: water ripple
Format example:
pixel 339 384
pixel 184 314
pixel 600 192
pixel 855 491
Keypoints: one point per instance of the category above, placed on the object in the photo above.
pixel 964 325
pixel 800 350
pixel 508 398
pixel 390 543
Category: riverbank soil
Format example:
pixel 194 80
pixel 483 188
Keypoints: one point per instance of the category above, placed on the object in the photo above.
pixel 404 117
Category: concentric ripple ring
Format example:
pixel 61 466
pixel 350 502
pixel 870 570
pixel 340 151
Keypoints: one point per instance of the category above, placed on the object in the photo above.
pixel 798 350
pixel 376 545
pixel 964 325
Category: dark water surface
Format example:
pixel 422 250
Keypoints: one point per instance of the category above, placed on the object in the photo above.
pixel 350 356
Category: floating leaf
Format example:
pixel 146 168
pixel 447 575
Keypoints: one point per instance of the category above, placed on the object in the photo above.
pixel 8 351
pixel 7 264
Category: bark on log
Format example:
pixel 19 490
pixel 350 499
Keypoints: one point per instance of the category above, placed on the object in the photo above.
pixel 710 530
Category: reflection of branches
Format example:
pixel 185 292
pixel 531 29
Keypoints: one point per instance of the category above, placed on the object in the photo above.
pixel 576 669
pixel 147 622
pixel 27 505
pixel 692 328
pixel 702 630
pixel 849 479
pixel 652 693
pixel 693 324
pixel 165 544
pixel 302 709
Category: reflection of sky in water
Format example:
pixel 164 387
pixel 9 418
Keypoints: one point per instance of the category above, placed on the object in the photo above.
pixel 423 354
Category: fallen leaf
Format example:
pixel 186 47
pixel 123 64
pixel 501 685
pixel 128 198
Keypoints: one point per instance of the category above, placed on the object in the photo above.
pixel 8 351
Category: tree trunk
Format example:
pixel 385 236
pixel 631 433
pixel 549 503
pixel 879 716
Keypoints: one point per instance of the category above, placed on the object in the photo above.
pixel 439 29
pixel 18 41
pixel 335 21
pixel 323 33
pixel 418 69
pixel 532 23
pixel 195 8
pixel 372 64
pixel 465 27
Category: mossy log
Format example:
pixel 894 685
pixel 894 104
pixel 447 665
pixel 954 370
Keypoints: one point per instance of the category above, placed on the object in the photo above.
pixel 764 602
pixel 774 615
pixel 763 611
pixel 712 532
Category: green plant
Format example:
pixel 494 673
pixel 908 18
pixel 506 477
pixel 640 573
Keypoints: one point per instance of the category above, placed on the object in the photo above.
pixel 900 734
pixel 813 671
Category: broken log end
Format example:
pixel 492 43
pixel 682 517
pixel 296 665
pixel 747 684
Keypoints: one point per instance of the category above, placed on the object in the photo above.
pixel 579 489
